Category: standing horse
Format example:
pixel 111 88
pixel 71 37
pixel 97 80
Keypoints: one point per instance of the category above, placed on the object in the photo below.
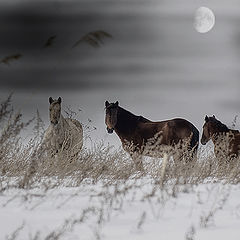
pixel 226 141
pixel 147 137
pixel 64 136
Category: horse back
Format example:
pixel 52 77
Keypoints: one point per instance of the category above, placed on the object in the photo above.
pixel 184 128
pixel 180 129
pixel 74 123
pixel 143 119
pixel 171 131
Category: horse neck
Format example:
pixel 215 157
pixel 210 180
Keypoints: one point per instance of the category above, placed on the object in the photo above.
pixel 220 133
pixel 61 125
pixel 126 122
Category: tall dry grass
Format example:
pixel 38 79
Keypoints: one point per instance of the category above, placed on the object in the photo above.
pixel 19 160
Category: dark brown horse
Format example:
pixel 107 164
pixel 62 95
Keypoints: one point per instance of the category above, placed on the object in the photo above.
pixel 226 141
pixel 138 132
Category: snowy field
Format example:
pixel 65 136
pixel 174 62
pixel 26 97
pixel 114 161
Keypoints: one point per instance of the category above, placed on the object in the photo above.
pixel 124 210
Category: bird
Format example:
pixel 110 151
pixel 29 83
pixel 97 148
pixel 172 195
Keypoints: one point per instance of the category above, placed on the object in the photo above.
pixel 50 41
pixel 6 60
pixel 94 39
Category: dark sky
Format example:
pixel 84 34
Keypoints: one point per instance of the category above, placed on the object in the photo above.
pixel 156 64
pixel 26 25
pixel 152 41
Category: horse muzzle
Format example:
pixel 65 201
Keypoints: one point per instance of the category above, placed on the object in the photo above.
pixel 203 142
pixel 110 130
pixel 54 122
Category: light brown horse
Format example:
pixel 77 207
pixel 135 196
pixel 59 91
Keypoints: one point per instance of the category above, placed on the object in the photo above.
pixel 226 141
pixel 147 137
pixel 64 136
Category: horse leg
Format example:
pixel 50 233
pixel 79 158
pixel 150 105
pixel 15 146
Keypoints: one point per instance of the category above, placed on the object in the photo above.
pixel 135 154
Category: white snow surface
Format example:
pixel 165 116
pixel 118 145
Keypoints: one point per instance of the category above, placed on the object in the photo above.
pixel 206 211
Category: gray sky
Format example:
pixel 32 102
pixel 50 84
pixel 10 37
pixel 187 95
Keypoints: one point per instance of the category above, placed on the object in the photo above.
pixel 156 65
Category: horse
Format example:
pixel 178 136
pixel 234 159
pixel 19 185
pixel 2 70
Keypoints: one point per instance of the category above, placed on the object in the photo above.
pixel 64 136
pixel 143 137
pixel 226 141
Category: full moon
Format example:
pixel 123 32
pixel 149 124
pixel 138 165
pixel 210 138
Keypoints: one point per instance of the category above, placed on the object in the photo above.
pixel 204 20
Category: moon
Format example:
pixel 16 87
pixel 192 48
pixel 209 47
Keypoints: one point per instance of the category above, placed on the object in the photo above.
pixel 204 20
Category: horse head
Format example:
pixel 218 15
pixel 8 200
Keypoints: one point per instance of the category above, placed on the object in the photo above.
pixel 111 115
pixel 206 133
pixel 55 110
pixel 211 128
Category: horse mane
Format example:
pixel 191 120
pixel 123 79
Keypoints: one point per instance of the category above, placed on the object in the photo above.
pixel 143 119
pixel 127 121
pixel 126 115
pixel 220 126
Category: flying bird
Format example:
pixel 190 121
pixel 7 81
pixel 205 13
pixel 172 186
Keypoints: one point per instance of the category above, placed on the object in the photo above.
pixel 6 60
pixel 50 41
pixel 94 39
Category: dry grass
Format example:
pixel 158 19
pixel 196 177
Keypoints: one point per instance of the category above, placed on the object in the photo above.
pixel 101 161
pixel 22 166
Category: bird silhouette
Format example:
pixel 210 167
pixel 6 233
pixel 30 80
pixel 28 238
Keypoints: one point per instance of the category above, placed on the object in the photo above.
pixel 6 60
pixel 94 39
pixel 50 41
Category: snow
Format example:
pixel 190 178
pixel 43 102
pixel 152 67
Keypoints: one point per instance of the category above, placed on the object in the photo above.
pixel 123 215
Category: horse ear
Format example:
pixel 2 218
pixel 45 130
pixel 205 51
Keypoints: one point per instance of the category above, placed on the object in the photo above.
pixel 206 118
pixel 213 116
pixel 59 100
pixel 50 100
pixel 107 104
pixel 117 103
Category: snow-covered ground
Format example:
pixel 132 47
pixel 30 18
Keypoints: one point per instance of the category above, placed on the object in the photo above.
pixel 126 210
